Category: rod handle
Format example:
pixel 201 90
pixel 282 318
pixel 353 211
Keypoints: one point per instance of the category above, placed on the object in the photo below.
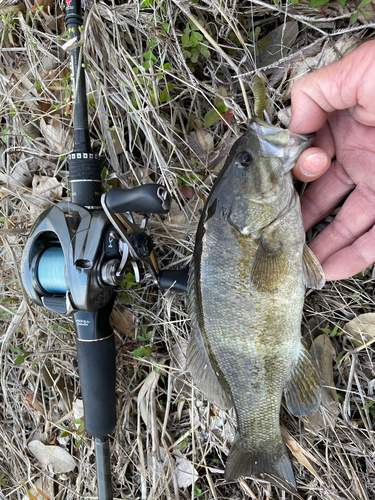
pixel 97 369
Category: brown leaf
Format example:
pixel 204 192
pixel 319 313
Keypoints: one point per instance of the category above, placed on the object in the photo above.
pixel 47 187
pixel 56 136
pixel 47 6
pixel 300 454
pixel 34 403
pixel 205 140
pixel 362 327
pixel 124 321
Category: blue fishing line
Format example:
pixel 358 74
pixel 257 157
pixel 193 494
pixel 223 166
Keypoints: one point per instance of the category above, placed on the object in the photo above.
pixel 51 270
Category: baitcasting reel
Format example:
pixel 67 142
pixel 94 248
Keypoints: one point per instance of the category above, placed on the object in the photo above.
pixel 75 256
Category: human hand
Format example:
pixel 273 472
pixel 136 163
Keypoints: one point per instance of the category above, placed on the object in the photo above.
pixel 338 101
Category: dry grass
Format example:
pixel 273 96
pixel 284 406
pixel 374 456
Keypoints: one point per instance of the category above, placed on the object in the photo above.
pixel 160 429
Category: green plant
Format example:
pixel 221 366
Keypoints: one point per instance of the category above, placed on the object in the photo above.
pixel 218 111
pixel 191 46
pixel 144 350
pixel 367 14
pixel 334 332
pixel 21 355
pixel 3 479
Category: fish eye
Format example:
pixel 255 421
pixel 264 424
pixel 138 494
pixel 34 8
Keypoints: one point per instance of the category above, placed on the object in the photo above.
pixel 244 159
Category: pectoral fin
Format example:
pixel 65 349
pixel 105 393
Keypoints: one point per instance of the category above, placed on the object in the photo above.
pixel 269 266
pixel 313 275
pixel 198 361
pixel 303 392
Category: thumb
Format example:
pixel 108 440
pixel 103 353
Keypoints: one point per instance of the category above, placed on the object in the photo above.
pixel 311 164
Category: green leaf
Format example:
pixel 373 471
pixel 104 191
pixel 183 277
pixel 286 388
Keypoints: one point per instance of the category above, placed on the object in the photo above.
pixel 354 17
pixel 167 66
pixel 205 52
pixel 371 403
pixel 142 339
pixel 149 56
pixel 187 30
pixel 222 108
pixel 340 356
pixel 78 421
pixel 363 3
pixel 148 350
pixel 146 65
pixel 342 2
pixel 185 39
pixel 20 359
pixel 368 15
pixel 221 92
pixel 166 27
pixel 138 353
pixel 334 331
pixel 211 117
pixel 317 3
pixel 195 38
pixel 164 95
pixel 197 492
pixel 194 55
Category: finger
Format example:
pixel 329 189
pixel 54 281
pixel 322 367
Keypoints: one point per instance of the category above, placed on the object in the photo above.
pixel 316 160
pixel 311 164
pixel 356 216
pixel 324 140
pixel 324 194
pixel 344 84
pixel 352 259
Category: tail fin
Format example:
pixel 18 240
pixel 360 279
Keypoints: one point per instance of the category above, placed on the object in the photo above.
pixel 274 462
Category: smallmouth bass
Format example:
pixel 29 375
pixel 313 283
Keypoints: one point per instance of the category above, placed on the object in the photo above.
pixel 246 292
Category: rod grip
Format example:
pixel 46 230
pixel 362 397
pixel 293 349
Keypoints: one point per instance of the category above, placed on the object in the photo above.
pixel 97 369
pixel 97 373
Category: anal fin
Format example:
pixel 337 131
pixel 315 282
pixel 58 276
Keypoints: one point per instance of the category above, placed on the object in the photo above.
pixel 303 392
pixel 197 358
pixel 203 374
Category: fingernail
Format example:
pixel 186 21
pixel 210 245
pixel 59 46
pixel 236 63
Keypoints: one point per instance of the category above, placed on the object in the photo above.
pixel 314 164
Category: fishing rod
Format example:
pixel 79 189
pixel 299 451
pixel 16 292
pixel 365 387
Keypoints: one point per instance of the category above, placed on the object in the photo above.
pixel 76 255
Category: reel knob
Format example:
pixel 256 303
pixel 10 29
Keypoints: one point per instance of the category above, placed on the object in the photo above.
pixel 109 273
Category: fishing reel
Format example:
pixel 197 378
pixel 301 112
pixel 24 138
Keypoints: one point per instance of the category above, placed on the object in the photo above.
pixel 75 257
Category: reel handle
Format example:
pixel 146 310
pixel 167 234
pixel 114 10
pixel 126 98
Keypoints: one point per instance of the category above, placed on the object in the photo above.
pixel 97 369
pixel 151 198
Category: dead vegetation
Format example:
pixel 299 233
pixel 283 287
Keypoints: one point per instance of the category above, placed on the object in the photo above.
pixel 168 95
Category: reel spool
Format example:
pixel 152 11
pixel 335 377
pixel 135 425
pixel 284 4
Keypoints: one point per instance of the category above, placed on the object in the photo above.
pixel 50 271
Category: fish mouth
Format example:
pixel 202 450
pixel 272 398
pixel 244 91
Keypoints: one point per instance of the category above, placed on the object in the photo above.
pixel 279 142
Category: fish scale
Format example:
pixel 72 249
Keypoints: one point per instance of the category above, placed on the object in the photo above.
pixel 246 292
